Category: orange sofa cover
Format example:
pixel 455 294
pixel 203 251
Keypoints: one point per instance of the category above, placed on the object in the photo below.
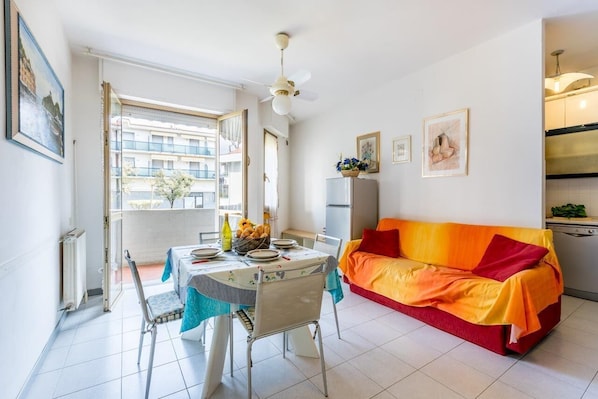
pixel 434 269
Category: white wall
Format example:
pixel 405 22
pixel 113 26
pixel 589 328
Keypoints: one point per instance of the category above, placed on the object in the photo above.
pixel 36 209
pixel 500 81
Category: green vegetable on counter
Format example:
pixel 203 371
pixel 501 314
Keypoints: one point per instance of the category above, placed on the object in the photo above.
pixel 569 211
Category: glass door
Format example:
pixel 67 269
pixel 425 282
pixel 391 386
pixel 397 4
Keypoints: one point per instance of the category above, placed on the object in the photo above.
pixel 271 182
pixel 232 162
pixel 113 252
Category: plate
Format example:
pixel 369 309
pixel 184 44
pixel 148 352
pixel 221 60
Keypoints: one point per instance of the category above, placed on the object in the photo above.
pixel 284 243
pixel 262 254
pixel 250 259
pixel 206 253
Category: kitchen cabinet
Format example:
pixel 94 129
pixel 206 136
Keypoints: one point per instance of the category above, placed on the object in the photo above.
pixel 571 110
pixel 554 114
pixel 581 109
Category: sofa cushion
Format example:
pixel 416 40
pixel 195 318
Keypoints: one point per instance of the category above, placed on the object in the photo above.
pixel 505 257
pixel 380 242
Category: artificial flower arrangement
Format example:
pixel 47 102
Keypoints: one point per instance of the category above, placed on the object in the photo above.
pixel 248 229
pixel 251 236
pixel 351 164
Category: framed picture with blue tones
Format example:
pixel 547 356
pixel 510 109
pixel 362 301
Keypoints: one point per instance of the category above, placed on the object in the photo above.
pixel 34 95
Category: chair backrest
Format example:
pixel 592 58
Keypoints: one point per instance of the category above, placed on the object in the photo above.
pixel 138 286
pixel 208 237
pixel 328 244
pixel 284 304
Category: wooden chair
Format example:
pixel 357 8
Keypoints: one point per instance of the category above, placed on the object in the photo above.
pixel 282 305
pixel 331 246
pixel 155 309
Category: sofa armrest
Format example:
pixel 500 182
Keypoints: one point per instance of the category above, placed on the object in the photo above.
pixel 351 247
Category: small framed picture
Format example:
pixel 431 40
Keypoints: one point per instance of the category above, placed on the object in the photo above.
pixel 444 146
pixel 401 149
pixel 368 148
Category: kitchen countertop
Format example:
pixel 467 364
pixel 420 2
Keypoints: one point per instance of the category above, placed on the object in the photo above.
pixel 590 220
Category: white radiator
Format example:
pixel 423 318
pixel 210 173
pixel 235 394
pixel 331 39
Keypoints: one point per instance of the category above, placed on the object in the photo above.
pixel 74 265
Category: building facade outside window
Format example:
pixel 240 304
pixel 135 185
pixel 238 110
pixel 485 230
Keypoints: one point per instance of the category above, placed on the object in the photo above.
pixel 154 140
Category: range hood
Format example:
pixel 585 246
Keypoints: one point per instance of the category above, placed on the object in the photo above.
pixel 572 152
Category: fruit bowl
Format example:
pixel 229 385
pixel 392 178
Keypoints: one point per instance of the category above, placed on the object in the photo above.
pixel 244 245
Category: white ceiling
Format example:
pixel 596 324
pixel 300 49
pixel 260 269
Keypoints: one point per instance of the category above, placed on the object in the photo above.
pixel 349 46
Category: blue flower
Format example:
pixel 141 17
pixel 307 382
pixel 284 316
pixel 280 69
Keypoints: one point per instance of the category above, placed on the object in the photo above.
pixel 351 164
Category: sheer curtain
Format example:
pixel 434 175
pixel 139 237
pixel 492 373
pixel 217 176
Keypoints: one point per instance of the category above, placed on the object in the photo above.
pixel 271 181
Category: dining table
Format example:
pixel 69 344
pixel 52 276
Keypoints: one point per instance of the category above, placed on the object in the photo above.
pixel 215 286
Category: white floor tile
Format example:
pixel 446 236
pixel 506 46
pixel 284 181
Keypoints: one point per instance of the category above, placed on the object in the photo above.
pixel 88 374
pixel 345 381
pixel 164 353
pixel 375 365
pixel 193 369
pixel 592 391
pixel 231 387
pixel 435 338
pixel 376 332
pixel 499 390
pixel 411 352
pixel 311 366
pixel 384 395
pixel 482 359
pixel 178 395
pixel 350 346
pixel 93 331
pixel 55 359
pixel 95 349
pixel 303 390
pixel 559 368
pixel 420 386
pixel 166 379
pixel 571 351
pixel 400 322
pixel 577 336
pixel 537 384
pixel 383 354
pixel 43 385
pixel 587 322
pixel 273 375
pixel 569 304
pixel 110 389
pixel 64 338
pixel 450 373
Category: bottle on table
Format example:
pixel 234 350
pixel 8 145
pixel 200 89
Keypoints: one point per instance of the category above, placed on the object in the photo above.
pixel 226 235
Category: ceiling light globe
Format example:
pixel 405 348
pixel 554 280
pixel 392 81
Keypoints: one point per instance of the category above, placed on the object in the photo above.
pixel 281 104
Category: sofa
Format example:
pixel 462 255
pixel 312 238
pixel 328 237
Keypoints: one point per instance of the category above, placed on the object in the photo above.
pixel 499 287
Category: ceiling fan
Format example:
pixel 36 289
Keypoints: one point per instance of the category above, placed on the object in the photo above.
pixel 284 88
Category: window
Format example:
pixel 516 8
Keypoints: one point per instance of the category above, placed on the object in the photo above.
pixel 161 139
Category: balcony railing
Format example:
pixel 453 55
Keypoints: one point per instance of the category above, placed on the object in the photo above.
pixel 164 148
pixel 151 172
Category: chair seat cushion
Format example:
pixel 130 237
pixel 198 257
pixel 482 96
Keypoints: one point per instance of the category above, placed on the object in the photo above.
pixel 165 307
pixel 246 316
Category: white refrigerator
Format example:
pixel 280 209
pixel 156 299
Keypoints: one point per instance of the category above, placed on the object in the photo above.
pixel 351 206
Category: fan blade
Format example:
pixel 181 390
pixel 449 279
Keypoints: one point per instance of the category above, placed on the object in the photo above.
pixel 266 99
pixel 307 95
pixel 300 77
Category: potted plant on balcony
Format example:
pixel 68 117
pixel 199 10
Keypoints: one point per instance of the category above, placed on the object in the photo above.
pixel 351 167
